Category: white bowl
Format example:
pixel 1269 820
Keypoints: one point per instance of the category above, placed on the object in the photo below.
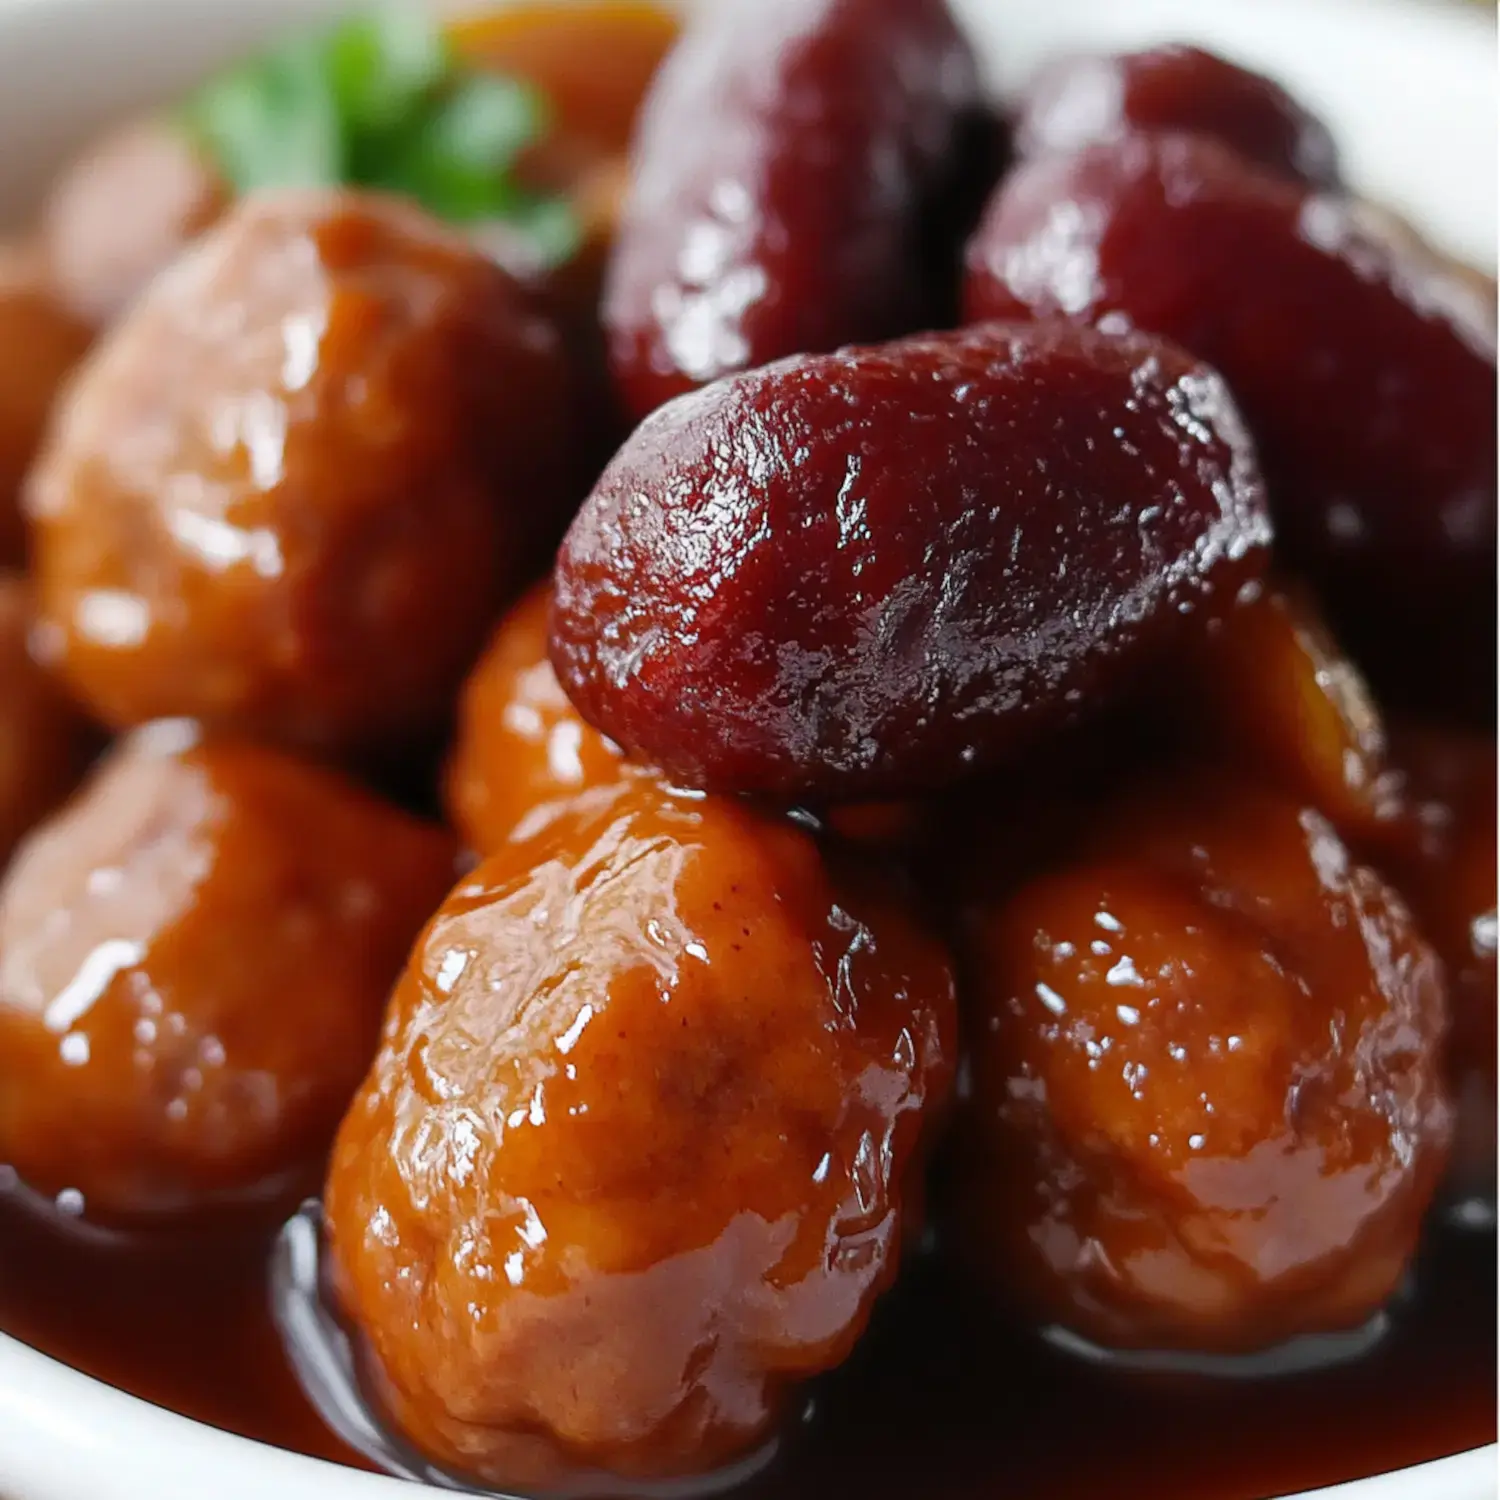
pixel 1410 89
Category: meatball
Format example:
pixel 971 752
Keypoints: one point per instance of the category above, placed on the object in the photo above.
pixel 123 211
pixel 1077 101
pixel 523 752
pixel 40 342
pixel 1274 693
pixel 1207 1108
pixel 634 1156
pixel 194 955
pixel 1447 872
pixel 288 493
pixel 45 743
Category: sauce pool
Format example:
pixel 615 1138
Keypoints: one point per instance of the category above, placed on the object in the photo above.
pixel 941 1401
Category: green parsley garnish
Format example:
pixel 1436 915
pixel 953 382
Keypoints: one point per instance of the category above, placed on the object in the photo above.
pixel 381 101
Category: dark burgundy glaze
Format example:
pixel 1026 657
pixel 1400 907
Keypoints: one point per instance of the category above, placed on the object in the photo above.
pixel 789 160
pixel 857 574
pixel 1076 101
pixel 1363 362
pixel 943 1399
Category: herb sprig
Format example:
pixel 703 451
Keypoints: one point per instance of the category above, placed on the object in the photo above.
pixel 381 100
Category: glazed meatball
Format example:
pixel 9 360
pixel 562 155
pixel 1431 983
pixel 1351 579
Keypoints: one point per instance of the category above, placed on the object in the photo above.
pixel 1077 101
pixel 40 342
pixel 1447 872
pixel 123 211
pixel 1207 1109
pixel 523 752
pixel 45 743
pixel 194 955
pixel 289 492
pixel 1273 692
pixel 633 1157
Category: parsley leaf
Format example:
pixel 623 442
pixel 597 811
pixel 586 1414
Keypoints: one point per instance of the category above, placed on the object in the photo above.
pixel 381 101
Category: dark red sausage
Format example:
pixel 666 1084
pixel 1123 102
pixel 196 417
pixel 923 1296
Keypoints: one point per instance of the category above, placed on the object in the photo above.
pixel 870 572
pixel 789 158
pixel 1364 364
pixel 1077 101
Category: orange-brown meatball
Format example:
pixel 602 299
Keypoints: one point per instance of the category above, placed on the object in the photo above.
pixel 194 955
pixel 288 492
pixel 633 1156
pixel 40 342
pixel 123 211
pixel 523 752
pixel 1447 873
pixel 45 743
pixel 1207 1109
pixel 1274 693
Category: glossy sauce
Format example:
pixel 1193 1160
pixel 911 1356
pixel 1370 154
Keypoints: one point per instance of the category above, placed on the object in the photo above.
pixel 941 1401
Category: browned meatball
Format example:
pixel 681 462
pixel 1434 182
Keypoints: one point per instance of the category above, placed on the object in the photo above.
pixel 1272 691
pixel 194 955
pixel 123 211
pixel 523 752
pixel 289 491
pixel 1208 1109
pixel 632 1158
pixel 45 743
pixel 1446 870
pixel 40 342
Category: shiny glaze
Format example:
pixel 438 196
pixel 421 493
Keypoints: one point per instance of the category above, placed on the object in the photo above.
pixel 942 1399
pixel 1445 867
pixel 631 1160
pixel 1274 693
pixel 1207 1108
pixel 522 752
pixel 45 743
pixel 329 414
pixel 851 575
pixel 1363 362
pixel 194 956
pixel 122 211
pixel 1076 101
pixel 789 161
pixel 40 342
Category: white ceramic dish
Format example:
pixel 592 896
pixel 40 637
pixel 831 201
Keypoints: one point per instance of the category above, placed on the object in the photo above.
pixel 1410 88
